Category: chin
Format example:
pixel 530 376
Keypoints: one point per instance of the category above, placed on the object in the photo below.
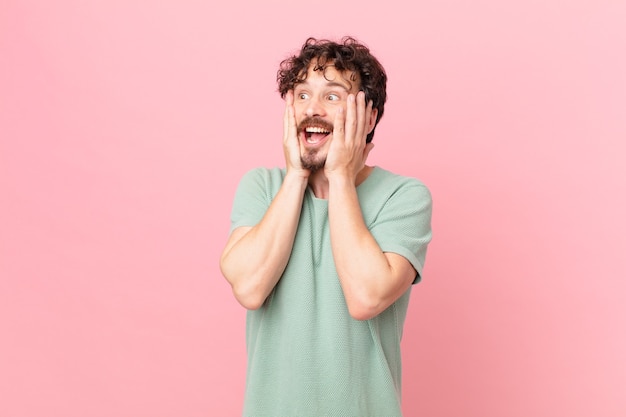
pixel 312 161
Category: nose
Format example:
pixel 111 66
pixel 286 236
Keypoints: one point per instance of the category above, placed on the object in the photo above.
pixel 314 108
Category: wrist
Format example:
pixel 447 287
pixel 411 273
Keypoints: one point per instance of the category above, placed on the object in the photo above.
pixel 296 176
pixel 340 178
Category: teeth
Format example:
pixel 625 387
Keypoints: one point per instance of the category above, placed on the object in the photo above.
pixel 316 130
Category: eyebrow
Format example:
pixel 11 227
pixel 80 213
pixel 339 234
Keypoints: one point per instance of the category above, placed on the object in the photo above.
pixel 336 84
pixel 330 84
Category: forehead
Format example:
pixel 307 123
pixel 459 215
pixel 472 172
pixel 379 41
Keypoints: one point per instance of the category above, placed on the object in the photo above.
pixel 330 75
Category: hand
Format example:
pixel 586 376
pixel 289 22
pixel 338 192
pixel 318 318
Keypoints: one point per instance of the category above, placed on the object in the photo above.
pixel 348 150
pixel 291 145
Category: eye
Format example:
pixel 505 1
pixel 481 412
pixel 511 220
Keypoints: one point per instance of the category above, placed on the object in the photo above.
pixel 303 96
pixel 333 97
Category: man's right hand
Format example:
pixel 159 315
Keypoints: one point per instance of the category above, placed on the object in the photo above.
pixel 291 144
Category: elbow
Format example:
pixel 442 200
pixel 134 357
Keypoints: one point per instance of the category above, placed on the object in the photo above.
pixel 246 294
pixel 364 309
pixel 250 300
pixel 364 302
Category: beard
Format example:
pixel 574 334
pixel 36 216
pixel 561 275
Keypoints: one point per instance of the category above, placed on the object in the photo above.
pixel 312 161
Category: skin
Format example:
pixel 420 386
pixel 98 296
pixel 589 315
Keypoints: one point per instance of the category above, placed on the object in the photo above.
pixel 254 258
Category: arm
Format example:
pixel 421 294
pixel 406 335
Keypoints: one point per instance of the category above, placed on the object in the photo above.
pixel 254 258
pixel 371 279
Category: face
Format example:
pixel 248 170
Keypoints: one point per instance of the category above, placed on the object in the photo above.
pixel 316 102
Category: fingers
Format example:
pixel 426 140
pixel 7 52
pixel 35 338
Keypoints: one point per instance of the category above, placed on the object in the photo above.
pixel 352 118
pixel 291 146
pixel 289 121
pixel 339 125
pixel 364 118
pixel 286 118
pixel 358 114
pixel 367 118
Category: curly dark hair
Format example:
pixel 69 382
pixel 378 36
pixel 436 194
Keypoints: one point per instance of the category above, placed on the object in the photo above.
pixel 346 55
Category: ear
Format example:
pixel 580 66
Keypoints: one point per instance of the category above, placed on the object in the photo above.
pixel 372 121
pixel 366 151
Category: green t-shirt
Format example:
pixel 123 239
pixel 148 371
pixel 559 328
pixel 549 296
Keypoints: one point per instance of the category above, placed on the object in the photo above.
pixel 307 357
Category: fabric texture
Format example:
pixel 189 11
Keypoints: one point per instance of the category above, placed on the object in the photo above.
pixel 307 357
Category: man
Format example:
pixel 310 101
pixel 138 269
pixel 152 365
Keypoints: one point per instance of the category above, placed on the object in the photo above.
pixel 323 253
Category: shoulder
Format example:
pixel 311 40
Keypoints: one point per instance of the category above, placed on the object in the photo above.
pixel 264 178
pixel 255 191
pixel 264 174
pixel 386 185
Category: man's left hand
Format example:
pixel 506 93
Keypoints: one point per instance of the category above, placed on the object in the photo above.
pixel 348 149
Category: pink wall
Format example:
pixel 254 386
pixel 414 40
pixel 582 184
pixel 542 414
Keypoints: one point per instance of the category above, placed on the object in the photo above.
pixel 124 129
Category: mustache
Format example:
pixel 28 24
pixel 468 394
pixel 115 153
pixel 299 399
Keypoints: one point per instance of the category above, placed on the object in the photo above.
pixel 315 121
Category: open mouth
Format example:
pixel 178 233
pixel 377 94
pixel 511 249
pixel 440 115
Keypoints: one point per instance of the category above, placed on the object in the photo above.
pixel 314 130
pixel 315 134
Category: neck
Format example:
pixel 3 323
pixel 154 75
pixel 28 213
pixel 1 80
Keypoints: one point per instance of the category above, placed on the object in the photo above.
pixel 319 183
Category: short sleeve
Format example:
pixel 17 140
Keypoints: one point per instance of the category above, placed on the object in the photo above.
pixel 251 199
pixel 403 225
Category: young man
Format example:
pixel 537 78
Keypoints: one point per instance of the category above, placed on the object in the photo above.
pixel 323 253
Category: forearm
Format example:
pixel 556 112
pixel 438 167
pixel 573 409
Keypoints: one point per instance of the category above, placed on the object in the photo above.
pixel 254 262
pixel 364 271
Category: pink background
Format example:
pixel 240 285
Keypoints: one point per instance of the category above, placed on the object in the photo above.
pixel 126 125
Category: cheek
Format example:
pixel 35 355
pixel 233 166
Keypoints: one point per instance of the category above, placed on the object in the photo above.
pixel 298 112
pixel 334 112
